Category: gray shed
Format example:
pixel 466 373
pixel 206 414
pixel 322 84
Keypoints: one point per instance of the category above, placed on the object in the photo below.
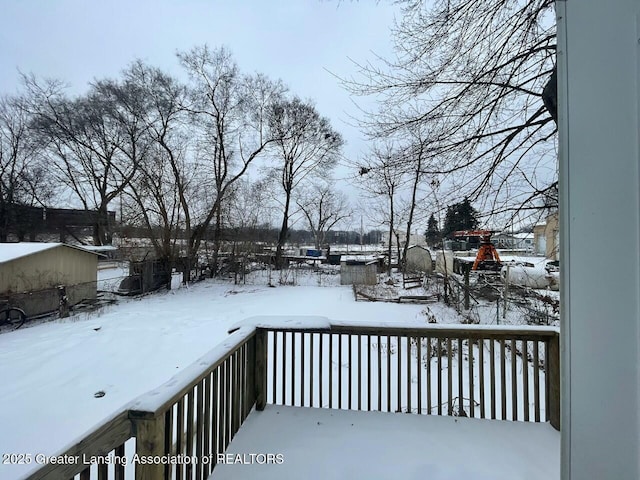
pixel 419 259
pixel 30 274
pixel 358 270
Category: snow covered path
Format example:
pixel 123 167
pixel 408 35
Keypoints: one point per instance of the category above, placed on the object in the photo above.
pixel 50 372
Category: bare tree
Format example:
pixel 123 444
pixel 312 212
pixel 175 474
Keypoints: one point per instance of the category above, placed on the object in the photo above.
pixel 305 144
pixel 473 72
pixel 24 180
pixel 247 211
pixel 229 111
pixel 152 202
pixel 163 188
pixel 382 176
pixel 84 138
pixel 323 208
pixel 416 153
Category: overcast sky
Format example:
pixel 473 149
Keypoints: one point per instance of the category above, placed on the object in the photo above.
pixel 299 41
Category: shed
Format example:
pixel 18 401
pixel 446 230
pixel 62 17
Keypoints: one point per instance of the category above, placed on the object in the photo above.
pixel 524 241
pixel 444 262
pixel 30 274
pixel 540 239
pixel 358 270
pixel 419 259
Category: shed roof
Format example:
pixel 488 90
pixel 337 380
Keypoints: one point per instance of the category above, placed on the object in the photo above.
pixel 12 251
pixel 359 258
pixel 97 248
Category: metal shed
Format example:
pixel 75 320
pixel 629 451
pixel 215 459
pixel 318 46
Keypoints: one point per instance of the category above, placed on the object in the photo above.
pixel 358 270
pixel 30 274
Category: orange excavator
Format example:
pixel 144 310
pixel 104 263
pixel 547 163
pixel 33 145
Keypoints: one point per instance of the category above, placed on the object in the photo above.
pixel 487 258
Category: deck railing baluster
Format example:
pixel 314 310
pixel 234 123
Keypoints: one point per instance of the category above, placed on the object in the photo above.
pixel 481 376
pixel 419 371
pixel 449 378
pixel 514 382
pixel 460 379
pixel 409 406
pixel 472 406
pixel 536 380
pixel 311 354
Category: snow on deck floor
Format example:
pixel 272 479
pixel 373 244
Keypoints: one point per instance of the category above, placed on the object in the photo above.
pixel 339 444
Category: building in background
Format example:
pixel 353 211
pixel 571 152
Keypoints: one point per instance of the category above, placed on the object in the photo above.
pixel 31 274
pixel 546 238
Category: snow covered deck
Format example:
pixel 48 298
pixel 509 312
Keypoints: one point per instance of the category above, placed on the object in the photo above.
pixel 338 444
pixel 303 362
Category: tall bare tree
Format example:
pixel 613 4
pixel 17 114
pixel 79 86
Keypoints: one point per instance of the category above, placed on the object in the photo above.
pixel 306 144
pixel 84 138
pixel 382 176
pixel 323 208
pixel 248 211
pixel 474 72
pixel 416 153
pixel 24 179
pixel 229 110
pixel 163 189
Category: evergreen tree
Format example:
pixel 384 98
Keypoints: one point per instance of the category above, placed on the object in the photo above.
pixel 432 234
pixel 460 216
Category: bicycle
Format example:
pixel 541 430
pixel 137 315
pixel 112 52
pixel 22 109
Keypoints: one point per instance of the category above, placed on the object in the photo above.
pixel 12 316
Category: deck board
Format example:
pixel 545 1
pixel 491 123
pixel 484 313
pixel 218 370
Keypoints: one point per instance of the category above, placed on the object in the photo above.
pixel 338 444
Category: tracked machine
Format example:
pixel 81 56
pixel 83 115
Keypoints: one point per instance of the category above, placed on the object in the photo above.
pixel 487 265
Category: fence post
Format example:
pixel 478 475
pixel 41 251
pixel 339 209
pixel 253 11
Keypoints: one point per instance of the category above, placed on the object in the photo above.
pixel 261 369
pixel 149 442
pixel 63 302
pixel 467 269
pixel 553 381
pixel 250 393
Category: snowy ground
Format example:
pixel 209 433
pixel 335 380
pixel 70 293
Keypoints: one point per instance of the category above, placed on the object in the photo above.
pixel 51 371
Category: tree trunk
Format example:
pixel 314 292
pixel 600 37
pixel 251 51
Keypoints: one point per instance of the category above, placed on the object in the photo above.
pixel 411 212
pixel 217 239
pixel 101 228
pixel 284 230
pixel 390 249
pixel 4 223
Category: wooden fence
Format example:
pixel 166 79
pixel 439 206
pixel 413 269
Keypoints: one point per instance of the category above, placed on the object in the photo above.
pixel 178 430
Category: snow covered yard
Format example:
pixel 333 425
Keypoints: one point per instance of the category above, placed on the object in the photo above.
pixel 63 377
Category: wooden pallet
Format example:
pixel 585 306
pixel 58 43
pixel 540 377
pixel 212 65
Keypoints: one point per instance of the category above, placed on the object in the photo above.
pixel 419 298
pixel 412 282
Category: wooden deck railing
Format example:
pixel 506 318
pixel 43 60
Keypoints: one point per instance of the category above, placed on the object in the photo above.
pixel 182 426
pixel 499 373
pixel 187 421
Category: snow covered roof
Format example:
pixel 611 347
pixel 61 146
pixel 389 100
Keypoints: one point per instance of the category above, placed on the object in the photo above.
pixel 358 258
pixel 12 251
pixel 97 248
